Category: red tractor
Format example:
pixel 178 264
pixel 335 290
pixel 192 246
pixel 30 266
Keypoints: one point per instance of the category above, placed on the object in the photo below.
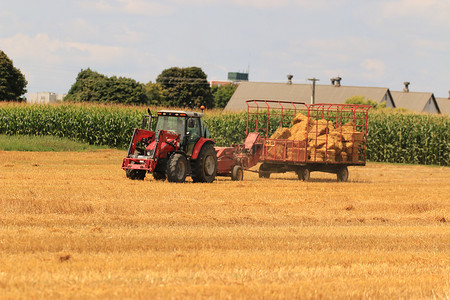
pixel 179 146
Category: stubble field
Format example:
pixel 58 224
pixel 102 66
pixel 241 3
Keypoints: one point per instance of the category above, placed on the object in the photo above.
pixel 72 226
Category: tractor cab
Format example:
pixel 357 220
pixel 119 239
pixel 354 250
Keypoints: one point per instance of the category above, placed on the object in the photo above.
pixel 189 125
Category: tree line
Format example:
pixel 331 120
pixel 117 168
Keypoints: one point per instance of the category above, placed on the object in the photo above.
pixel 176 87
pixel 12 82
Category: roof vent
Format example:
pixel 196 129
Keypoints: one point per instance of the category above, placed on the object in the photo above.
pixel 406 88
pixel 289 77
pixel 336 80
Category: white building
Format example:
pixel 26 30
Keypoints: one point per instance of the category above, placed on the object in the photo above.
pixel 44 98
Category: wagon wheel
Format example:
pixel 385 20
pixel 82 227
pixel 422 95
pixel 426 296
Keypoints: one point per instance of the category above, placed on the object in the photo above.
pixel 304 174
pixel 262 172
pixel 342 174
pixel 237 174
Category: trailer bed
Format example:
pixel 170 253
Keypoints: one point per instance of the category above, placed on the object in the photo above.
pixel 305 138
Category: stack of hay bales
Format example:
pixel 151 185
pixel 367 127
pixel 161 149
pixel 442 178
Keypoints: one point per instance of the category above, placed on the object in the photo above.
pixel 351 140
pixel 276 150
pixel 324 142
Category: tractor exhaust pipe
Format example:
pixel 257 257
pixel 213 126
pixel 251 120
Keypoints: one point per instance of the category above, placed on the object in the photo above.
pixel 149 119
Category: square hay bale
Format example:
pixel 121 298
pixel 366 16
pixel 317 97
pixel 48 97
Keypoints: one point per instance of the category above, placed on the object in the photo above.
pixel 343 156
pixel 347 127
pixel 299 131
pixel 351 147
pixel 317 142
pixel 352 150
pixel 320 127
pixel 331 141
pixel 276 151
pixel 334 142
pixel 292 153
pixel 299 118
pixel 318 154
pixel 281 133
pixel 349 132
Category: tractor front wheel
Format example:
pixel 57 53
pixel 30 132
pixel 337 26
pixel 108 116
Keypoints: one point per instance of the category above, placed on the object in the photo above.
pixel 205 166
pixel 177 168
pixel 159 175
pixel 135 174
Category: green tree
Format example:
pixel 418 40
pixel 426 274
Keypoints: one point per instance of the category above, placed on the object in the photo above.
pixel 362 100
pixel 185 87
pixel 91 86
pixel 155 94
pixel 222 94
pixel 12 82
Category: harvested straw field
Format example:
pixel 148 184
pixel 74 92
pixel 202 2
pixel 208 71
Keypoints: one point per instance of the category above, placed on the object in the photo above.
pixel 72 225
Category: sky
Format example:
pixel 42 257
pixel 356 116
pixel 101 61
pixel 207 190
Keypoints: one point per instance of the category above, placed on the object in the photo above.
pixel 367 43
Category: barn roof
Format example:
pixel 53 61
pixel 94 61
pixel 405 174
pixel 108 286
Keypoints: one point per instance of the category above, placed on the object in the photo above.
pixel 444 105
pixel 414 101
pixel 301 93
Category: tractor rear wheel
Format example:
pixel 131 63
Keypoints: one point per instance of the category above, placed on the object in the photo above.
pixel 177 168
pixel 237 174
pixel 205 166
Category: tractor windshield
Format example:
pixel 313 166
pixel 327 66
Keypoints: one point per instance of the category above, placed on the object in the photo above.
pixel 171 123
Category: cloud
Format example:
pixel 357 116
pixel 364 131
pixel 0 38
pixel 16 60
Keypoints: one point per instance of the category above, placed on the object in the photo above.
pixel 132 7
pixel 43 49
pixel 374 68
pixel 268 4
pixel 433 11
pixel 262 3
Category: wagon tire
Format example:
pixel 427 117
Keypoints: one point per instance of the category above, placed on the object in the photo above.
pixel 342 174
pixel 262 172
pixel 237 173
pixel 304 174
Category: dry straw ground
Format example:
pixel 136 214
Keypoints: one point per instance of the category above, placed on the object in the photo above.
pixel 72 225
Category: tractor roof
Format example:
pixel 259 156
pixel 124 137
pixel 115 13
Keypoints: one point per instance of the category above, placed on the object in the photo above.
pixel 180 113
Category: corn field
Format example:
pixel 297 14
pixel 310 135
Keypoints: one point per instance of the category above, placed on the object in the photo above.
pixel 409 138
pixel 392 137
pixel 96 125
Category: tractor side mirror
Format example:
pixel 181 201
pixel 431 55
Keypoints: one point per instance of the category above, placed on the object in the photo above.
pixel 191 123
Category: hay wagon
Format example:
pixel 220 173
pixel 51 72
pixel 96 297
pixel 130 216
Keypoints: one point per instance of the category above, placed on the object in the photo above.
pixel 304 138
